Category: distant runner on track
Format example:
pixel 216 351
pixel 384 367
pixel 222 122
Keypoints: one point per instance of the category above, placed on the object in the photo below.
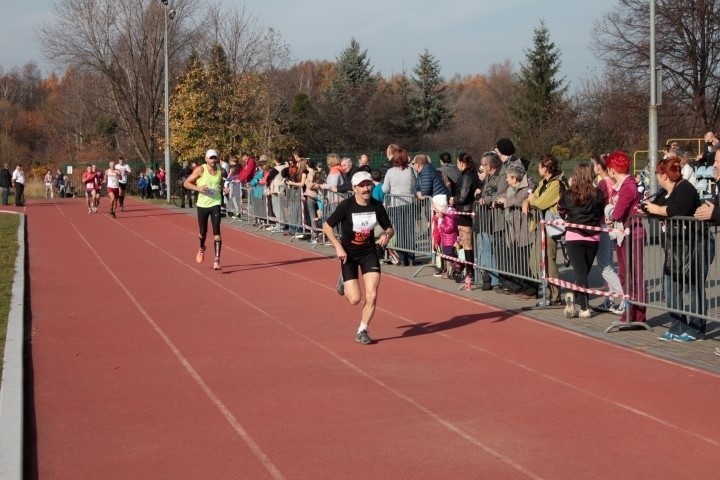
pixel 207 181
pixel 357 217
pixel 124 170
pixel 88 180
pixel 112 181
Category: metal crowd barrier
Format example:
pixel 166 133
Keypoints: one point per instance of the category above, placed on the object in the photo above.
pixel 258 206
pixel 679 267
pixel 411 219
pixel 330 201
pixel 235 201
pixel 506 246
pixel 503 241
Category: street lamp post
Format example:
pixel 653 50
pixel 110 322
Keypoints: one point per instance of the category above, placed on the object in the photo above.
pixel 167 106
pixel 654 101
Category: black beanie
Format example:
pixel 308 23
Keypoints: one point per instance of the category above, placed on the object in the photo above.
pixel 505 146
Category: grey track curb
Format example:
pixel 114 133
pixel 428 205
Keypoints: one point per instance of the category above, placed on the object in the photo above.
pixel 11 390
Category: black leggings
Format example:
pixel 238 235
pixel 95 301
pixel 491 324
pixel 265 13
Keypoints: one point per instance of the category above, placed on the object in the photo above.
pixel 213 213
pixel 582 255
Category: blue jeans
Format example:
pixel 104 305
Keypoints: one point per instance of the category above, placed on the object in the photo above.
pixel 486 252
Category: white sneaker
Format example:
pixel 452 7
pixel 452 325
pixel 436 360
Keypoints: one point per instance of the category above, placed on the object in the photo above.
pixel 585 313
pixel 570 310
pixel 620 309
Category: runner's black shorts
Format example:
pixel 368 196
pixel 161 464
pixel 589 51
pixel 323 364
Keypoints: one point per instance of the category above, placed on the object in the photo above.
pixel 368 262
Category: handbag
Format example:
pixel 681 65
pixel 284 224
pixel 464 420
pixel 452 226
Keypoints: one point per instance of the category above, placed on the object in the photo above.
pixel 681 250
pixel 554 231
pixel 438 258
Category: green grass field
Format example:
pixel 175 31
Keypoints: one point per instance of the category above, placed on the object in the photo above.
pixel 8 252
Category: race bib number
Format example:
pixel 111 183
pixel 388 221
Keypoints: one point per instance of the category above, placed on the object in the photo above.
pixel 363 222
pixel 363 227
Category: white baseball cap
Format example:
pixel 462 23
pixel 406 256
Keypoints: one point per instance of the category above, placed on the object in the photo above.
pixel 211 153
pixel 360 177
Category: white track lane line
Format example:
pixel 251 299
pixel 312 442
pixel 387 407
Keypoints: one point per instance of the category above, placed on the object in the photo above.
pixel 229 417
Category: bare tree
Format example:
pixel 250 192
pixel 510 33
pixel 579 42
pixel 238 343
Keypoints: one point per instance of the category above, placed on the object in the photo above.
pixel 687 46
pixel 22 87
pixel 122 41
pixel 238 33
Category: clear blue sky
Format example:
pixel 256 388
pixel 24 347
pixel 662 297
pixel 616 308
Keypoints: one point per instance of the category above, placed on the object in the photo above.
pixel 465 36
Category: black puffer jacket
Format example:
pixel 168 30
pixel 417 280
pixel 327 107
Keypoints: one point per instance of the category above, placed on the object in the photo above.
pixel 589 213
pixel 464 194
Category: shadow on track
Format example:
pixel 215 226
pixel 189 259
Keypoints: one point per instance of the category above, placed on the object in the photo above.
pixel 454 322
pixel 246 267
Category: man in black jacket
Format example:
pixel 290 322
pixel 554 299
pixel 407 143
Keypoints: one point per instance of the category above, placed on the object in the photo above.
pixel 707 156
pixel 185 194
pixel 5 184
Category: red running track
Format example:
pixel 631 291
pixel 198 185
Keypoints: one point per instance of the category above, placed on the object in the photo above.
pixel 149 366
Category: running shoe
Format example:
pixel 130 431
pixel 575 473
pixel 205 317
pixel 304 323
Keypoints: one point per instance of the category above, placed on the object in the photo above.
pixel 666 337
pixel 686 337
pixel 122 208
pixel 620 309
pixel 570 310
pixel 363 338
pixel 216 265
pixel 717 351
pixel 606 306
pixel 585 313
pixel 340 285
pixel 112 214
pixel 200 256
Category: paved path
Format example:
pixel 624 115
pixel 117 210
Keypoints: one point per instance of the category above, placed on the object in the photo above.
pixel 146 365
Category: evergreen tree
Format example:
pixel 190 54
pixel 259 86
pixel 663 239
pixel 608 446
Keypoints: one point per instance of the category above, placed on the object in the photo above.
pixel 345 113
pixel 353 70
pixel 427 101
pixel 302 120
pixel 540 110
